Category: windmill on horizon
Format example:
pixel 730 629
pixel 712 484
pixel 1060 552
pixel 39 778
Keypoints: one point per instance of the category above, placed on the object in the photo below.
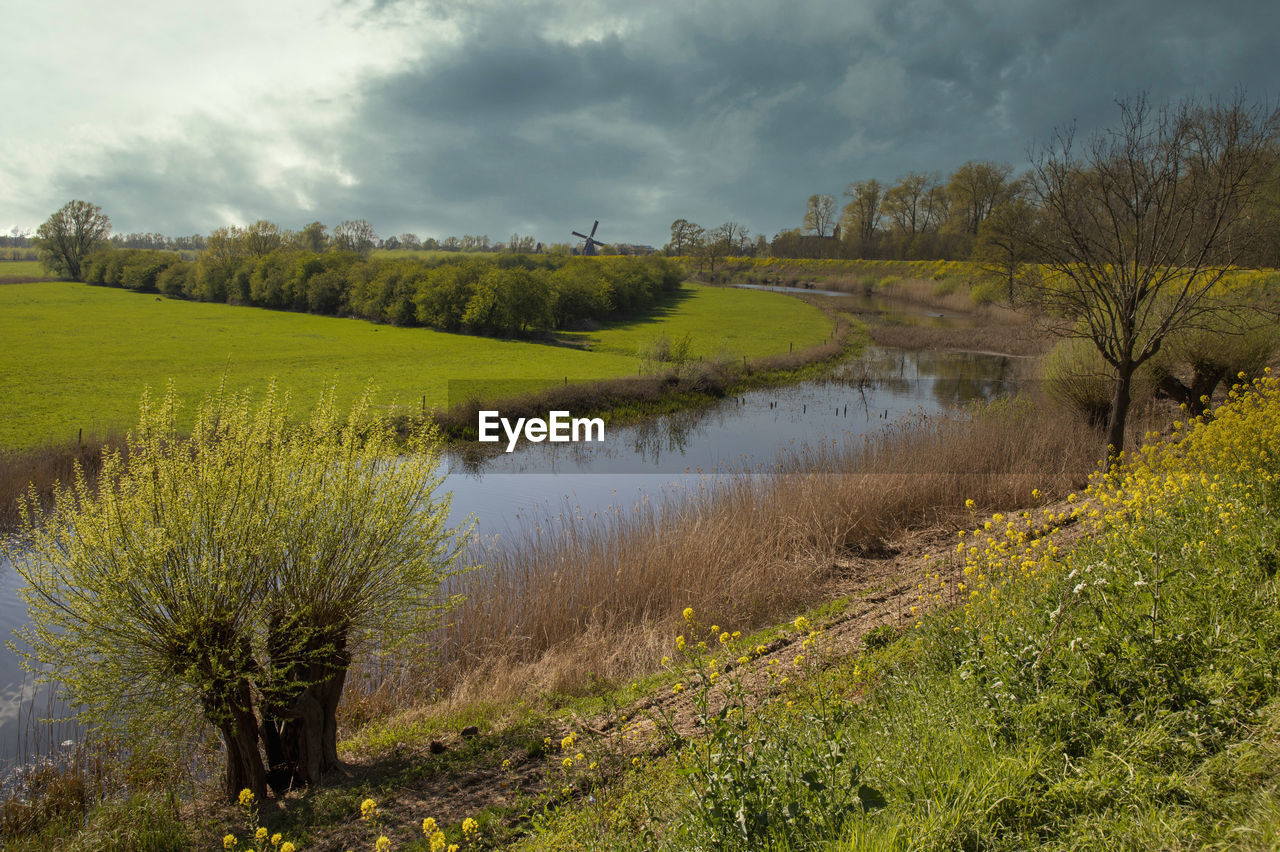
pixel 589 247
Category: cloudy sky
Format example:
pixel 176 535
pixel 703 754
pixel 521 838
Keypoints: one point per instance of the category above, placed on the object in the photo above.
pixel 492 116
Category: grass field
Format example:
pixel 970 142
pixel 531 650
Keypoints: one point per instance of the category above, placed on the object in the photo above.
pixel 77 357
pixel 21 270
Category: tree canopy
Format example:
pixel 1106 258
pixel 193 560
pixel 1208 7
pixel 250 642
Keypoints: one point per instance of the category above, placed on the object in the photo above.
pixel 69 236
pixel 233 574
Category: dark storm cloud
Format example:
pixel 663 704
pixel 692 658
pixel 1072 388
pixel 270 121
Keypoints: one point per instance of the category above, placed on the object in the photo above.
pixel 709 111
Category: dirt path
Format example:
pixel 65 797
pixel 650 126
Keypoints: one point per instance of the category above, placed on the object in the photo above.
pixel 880 589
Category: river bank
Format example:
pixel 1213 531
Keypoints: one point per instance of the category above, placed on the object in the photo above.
pixel 598 598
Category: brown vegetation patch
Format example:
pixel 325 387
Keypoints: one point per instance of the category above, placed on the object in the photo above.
pixel 592 597
pixel 40 468
pixel 1000 338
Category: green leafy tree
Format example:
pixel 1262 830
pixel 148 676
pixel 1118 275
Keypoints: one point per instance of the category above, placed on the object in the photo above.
pixel 509 301
pixel 1000 249
pixel 233 574
pixel 684 236
pixel 69 236
pixel 312 237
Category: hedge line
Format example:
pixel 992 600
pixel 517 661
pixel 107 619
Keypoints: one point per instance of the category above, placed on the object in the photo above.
pixel 513 294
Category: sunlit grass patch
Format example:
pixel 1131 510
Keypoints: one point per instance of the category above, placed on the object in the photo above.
pixel 76 357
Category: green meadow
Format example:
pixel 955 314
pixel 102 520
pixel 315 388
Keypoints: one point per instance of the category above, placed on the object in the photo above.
pixel 21 270
pixel 75 357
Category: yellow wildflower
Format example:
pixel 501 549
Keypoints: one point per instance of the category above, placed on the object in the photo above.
pixel 382 844
pixel 246 797
pixel 229 841
pixel 429 826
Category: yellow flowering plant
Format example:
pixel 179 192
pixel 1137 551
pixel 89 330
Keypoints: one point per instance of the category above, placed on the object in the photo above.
pixel 230 570
pixel 741 766
pixel 257 835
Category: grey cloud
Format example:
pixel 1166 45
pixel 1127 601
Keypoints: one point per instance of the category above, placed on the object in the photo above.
pixel 703 111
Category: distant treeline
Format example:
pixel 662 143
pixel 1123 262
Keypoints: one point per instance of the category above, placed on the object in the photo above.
pixel 967 215
pixel 506 294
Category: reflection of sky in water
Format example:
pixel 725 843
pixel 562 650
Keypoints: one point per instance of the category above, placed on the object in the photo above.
pixel 654 459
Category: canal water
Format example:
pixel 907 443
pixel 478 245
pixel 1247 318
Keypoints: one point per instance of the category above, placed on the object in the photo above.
pixel 506 492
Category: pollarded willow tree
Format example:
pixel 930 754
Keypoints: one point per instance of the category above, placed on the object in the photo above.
pixel 1139 229
pixel 233 573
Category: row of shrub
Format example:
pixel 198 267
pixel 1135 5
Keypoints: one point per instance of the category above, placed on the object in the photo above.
pixel 511 294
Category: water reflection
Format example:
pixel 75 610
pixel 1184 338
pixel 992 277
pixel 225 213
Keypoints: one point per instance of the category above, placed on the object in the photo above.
pixel 658 458
pixel 744 432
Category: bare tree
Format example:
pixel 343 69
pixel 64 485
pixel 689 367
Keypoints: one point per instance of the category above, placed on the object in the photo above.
pixel 862 213
pixel 820 214
pixel 905 203
pixel 1139 227
pixel 354 235
pixel 736 237
pixel 261 238
pixel 975 189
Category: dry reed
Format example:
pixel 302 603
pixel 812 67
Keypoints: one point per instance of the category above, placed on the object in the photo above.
pixel 1017 340
pixel 41 468
pixel 594 595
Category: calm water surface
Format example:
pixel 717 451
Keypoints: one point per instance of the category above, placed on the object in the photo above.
pixel 507 492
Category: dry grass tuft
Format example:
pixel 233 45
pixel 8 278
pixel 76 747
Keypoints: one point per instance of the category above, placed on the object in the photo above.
pixel 42 467
pixel 1006 339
